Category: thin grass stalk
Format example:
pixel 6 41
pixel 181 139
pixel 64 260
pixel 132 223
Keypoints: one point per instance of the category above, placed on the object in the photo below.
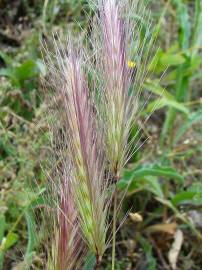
pixel 114 231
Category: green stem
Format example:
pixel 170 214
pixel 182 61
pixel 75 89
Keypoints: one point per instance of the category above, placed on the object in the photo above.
pixel 114 231
pixel 181 95
pixel 183 75
pixel 45 6
pixel 31 235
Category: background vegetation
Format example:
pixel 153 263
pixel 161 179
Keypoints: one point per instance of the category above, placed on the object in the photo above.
pixel 163 230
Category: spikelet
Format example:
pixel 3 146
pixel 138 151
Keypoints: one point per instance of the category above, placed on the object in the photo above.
pixel 67 249
pixel 118 43
pixel 83 146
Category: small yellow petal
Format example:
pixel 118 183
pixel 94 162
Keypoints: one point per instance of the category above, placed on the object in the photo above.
pixel 131 64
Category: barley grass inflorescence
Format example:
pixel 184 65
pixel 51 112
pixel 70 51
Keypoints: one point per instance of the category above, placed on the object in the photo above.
pixel 120 87
pixel 119 40
pixel 83 151
pixel 95 136
pixel 67 248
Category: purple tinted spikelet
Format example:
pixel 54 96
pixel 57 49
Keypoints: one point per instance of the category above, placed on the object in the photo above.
pixel 69 239
pixel 67 249
pixel 88 163
pixel 115 46
pixel 75 118
pixel 117 75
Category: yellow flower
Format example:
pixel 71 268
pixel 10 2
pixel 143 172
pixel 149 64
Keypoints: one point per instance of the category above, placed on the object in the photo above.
pixel 131 64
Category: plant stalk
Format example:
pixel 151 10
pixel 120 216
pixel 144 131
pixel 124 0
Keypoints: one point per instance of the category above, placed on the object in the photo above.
pixel 182 85
pixel 114 230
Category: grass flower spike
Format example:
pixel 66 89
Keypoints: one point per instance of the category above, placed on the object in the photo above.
pixel 67 248
pixel 113 34
pixel 115 50
pixel 77 121
pixel 75 117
